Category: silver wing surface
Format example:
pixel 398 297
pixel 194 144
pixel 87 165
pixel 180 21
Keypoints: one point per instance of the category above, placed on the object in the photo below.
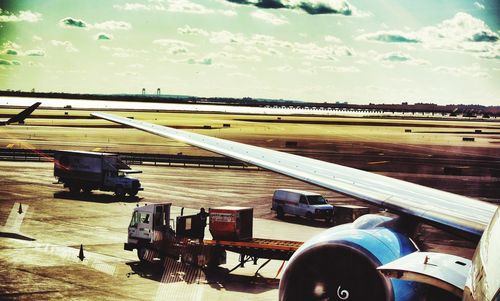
pixel 450 210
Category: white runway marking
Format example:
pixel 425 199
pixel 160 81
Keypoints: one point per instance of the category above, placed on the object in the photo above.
pixel 180 282
pixel 15 219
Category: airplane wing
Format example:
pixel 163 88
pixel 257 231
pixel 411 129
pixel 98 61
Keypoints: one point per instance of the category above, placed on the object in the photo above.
pixel 459 213
pixel 23 114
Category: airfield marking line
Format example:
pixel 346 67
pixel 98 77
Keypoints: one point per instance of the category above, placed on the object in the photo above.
pixel 96 261
pixel 10 145
pixel 378 162
pixel 180 282
pixel 15 219
pixel 14 222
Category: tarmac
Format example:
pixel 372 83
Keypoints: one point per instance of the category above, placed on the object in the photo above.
pixel 40 244
pixel 39 247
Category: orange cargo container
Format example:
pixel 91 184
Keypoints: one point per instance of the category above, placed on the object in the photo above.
pixel 231 223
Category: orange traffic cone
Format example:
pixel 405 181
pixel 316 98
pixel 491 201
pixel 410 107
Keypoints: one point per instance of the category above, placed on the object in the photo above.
pixel 20 210
pixel 80 255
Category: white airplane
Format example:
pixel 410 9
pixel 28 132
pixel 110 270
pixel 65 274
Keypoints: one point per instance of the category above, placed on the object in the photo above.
pixel 373 258
pixel 19 118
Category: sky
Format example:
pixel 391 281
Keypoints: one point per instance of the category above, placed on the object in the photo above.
pixel 359 51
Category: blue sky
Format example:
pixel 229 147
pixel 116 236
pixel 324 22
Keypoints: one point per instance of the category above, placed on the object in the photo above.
pixel 358 51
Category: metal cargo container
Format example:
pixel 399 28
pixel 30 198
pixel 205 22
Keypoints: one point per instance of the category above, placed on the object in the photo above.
pixel 231 223
pixel 348 213
pixel 89 166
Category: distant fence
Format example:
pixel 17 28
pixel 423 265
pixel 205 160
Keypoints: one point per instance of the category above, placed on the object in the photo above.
pixel 35 155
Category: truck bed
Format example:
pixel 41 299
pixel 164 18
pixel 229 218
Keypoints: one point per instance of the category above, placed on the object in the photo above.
pixel 259 247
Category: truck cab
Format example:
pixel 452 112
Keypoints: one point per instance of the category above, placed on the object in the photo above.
pixel 120 182
pixel 150 232
pixel 301 203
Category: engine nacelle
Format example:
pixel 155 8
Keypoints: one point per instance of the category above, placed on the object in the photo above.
pixel 340 264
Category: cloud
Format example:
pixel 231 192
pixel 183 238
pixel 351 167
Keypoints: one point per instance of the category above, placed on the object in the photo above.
pixel 269 45
pixel 174 46
pixel 226 37
pixel 472 71
pixel 332 39
pixel 23 16
pixel 67 45
pixel 478 5
pixel 236 56
pixel 35 52
pixel 70 22
pixel 192 31
pixel 171 42
pixel 396 57
pixel 185 6
pixel 136 66
pixel 316 52
pixel 5 62
pixel 177 50
pixel 113 25
pixel 102 36
pixel 399 57
pixel 227 12
pixel 463 33
pixel 124 52
pixel 10 44
pixel 392 36
pixel 269 17
pixel 341 69
pixel 177 6
pixel 122 55
pixel 312 7
pixel 204 61
pixel 132 6
pixel 10 52
pixel 284 68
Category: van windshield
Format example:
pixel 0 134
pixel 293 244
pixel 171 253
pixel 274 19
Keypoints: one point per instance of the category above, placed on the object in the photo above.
pixel 316 200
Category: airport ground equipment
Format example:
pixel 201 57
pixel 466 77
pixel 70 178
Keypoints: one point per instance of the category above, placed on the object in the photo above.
pixel 151 233
pixel 346 213
pixel 301 203
pixel 87 171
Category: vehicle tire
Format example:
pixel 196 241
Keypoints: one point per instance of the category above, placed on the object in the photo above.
pixel 133 192
pixel 329 220
pixel 279 212
pixel 141 253
pixel 86 190
pixel 74 189
pixel 309 216
pixel 119 191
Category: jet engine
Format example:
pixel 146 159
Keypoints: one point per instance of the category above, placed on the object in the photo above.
pixel 340 264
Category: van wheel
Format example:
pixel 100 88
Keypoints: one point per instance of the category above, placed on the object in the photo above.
pixel 141 253
pixel 119 191
pixel 279 212
pixel 86 190
pixel 133 192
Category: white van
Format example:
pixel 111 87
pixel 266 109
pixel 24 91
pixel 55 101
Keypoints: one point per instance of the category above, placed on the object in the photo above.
pixel 301 203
